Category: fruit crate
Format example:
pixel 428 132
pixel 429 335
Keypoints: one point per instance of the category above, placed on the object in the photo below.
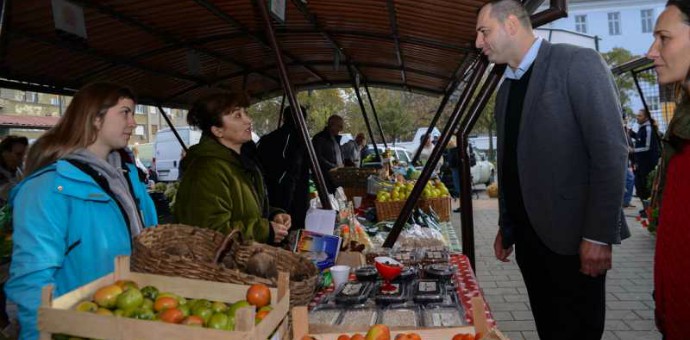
pixel 57 315
pixel 303 331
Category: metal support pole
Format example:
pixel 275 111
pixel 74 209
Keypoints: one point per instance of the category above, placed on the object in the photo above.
pixel 466 216
pixel 297 113
pixel 4 23
pixel 172 127
pixel 376 116
pixel 639 89
pixel 436 154
pixel 364 112
pixel 280 113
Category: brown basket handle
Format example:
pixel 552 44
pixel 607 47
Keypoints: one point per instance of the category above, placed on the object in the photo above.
pixel 234 236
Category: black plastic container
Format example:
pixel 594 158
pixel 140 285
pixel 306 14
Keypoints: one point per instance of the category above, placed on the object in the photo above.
pixel 353 292
pixel 428 291
pixel 366 273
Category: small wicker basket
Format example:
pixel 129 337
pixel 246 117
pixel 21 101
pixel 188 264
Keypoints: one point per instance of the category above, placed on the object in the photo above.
pixel 198 253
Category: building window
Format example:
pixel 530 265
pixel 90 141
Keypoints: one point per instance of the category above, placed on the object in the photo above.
pixel 139 109
pixel 615 23
pixel 653 102
pixel 55 101
pixel 581 23
pixel 153 109
pixel 30 97
pixel 140 130
pixel 647 16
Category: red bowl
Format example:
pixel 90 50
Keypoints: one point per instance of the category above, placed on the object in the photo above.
pixel 388 268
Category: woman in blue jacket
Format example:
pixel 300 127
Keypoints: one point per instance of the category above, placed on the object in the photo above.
pixel 80 203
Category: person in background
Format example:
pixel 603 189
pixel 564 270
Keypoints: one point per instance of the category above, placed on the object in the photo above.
pixel 327 149
pixel 352 150
pixel 647 152
pixel 285 165
pixel 80 204
pixel 427 149
pixel 12 150
pixel 671 55
pixel 222 187
pixel 561 167
pixel 629 174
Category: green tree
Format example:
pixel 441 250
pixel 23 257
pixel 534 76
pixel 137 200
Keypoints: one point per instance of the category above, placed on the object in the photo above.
pixel 624 82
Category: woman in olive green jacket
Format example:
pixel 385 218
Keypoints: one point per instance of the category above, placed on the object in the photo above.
pixel 222 187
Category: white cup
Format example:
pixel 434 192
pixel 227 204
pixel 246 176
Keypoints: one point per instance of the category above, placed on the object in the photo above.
pixel 340 274
pixel 357 200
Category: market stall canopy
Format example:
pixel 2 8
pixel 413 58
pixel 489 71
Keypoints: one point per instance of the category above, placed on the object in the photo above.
pixel 173 51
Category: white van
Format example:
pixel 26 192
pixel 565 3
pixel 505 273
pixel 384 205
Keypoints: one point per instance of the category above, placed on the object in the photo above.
pixel 168 151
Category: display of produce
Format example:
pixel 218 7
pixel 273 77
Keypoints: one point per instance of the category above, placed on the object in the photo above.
pixel 125 299
pixel 401 191
pixel 152 306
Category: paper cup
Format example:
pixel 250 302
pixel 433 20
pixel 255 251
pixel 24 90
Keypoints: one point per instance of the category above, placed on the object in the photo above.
pixel 358 201
pixel 340 274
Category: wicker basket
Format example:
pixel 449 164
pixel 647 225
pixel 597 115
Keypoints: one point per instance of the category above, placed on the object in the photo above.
pixel 351 177
pixel 440 205
pixel 185 251
pixel 386 211
pixel 351 192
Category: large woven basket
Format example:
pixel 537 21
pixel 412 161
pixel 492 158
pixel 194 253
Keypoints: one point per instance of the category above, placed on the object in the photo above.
pixel 387 211
pixel 198 253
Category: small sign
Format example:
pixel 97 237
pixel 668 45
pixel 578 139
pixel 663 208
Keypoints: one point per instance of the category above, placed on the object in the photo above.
pixel 69 18
pixel 278 10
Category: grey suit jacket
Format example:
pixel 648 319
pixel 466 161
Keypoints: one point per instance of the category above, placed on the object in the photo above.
pixel 572 151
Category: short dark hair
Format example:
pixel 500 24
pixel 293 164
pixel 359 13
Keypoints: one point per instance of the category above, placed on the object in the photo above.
pixel 502 9
pixel 208 111
pixel 683 6
pixel 287 115
pixel 11 140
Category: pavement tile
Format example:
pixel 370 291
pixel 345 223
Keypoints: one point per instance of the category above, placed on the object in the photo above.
pixel 622 315
pixel 637 335
pixel 614 305
pixel 517 326
pixel 523 316
pixel 616 325
pixel 641 325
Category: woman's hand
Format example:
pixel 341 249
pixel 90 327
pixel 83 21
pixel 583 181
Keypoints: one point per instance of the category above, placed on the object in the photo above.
pixel 283 219
pixel 281 224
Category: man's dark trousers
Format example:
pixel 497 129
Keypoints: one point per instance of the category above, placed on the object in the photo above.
pixel 566 304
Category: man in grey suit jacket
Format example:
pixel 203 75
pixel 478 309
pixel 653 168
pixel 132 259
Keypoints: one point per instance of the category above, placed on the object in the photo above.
pixel 561 164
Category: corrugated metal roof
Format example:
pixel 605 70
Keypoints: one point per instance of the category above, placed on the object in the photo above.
pixel 172 51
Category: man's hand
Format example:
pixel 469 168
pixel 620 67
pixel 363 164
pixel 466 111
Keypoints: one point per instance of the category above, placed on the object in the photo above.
pixel 595 259
pixel 283 219
pixel 501 253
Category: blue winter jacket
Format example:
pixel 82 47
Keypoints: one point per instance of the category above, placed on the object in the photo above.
pixel 67 232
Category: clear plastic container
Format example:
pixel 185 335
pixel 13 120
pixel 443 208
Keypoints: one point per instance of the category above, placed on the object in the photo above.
pixel 324 316
pixel 396 317
pixel 443 317
pixel 362 317
pixel 443 272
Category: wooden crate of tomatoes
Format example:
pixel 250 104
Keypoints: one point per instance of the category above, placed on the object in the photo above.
pixel 125 305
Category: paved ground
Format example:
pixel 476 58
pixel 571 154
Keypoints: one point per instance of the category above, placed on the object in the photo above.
pixel 630 307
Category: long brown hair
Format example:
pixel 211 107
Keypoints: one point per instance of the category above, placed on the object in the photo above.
pixel 76 129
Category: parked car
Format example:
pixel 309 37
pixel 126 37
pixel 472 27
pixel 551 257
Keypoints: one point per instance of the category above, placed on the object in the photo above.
pixel 483 171
pixel 168 151
pixel 400 154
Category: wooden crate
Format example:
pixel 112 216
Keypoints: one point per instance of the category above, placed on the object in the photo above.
pixel 56 316
pixel 301 328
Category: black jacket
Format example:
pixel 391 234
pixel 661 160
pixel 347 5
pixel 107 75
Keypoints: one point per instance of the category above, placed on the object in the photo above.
pixel 325 148
pixel 647 150
pixel 285 166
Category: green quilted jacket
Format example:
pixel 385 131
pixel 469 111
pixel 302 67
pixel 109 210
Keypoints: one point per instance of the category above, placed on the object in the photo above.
pixel 222 191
